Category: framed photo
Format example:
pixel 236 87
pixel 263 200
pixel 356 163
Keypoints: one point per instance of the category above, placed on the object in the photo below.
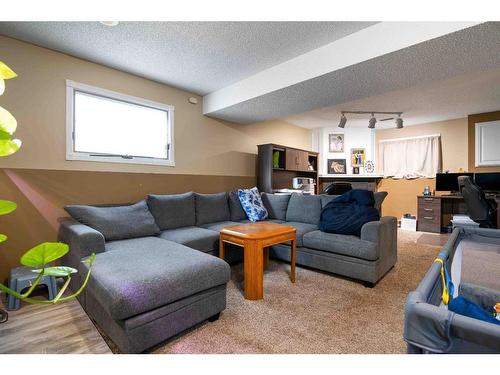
pixel 355 170
pixel 358 156
pixel 336 142
pixel 336 166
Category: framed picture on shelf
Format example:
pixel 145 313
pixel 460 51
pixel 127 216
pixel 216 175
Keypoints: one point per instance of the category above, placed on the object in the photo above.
pixel 336 166
pixel 355 170
pixel 336 142
pixel 358 156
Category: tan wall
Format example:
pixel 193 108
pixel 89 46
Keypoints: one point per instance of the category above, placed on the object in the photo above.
pixel 402 196
pixel 480 117
pixel 211 155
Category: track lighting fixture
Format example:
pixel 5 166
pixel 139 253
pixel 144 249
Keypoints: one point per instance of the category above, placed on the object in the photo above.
pixel 373 120
pixel 399 122
pixel 343 121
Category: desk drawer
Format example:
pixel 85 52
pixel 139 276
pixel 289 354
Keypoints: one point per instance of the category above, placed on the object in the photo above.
pixel 429 202
pixel 429 218
pixel 429 211
pixel 424 226
pixel 429 221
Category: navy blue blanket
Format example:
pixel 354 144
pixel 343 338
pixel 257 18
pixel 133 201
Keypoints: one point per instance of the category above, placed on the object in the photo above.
pixel 347 213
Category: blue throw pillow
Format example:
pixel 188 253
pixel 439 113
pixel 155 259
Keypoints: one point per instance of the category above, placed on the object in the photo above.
pixel 252 204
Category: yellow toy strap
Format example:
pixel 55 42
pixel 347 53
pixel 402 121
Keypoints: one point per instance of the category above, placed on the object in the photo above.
pixel 446 295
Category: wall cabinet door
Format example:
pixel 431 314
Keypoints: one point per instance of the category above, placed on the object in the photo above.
pixel 292 159
pixel 303 161
pixel 297 160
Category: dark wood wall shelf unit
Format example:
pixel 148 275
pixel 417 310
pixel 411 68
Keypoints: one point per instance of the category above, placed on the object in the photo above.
pixel 292 162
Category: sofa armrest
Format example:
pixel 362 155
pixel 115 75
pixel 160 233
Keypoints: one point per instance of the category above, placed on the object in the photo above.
pixel 384 233
pixel 81 239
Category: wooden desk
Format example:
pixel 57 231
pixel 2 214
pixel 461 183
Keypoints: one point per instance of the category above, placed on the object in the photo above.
pixel 434 212
pixel 256 238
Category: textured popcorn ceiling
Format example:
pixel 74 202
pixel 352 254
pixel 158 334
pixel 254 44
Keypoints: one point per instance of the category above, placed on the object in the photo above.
pixel 196 56
pixel 388 83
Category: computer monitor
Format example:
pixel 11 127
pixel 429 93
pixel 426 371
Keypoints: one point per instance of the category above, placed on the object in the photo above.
pixel 488 181
pixel 449 181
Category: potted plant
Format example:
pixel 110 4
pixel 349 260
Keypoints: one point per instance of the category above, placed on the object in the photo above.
pixel 41 256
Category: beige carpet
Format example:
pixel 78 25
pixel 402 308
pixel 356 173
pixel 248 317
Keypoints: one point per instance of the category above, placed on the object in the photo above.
pixel 321 313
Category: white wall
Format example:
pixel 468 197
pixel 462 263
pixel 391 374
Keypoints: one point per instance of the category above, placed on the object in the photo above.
pixel 353 138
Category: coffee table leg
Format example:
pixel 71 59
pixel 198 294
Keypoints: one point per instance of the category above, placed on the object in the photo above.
pixel 253 269
pixel 292 260
pixel 266 258
pixel 221 248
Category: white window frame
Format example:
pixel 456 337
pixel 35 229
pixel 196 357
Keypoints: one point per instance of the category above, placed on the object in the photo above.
pixel 71 154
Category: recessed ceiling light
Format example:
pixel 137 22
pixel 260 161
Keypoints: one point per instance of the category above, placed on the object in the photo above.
pixel 109 23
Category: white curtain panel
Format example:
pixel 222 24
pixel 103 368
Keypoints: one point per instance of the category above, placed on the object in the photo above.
pixel 410 157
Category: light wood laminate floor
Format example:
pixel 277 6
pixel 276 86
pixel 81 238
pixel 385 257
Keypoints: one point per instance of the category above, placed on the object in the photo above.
pixel 63 328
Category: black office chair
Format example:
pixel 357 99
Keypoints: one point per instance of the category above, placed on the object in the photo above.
pixel 479 208
pixel 337 188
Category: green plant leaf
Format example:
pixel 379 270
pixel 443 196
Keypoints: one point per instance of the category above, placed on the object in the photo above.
pixel 6 207
pixel 6 72
pixel 44 253
pixel 8 123
pixel 3 237
pixel 90 260
pixel 8 147
pixel 4 136
pixel 60 271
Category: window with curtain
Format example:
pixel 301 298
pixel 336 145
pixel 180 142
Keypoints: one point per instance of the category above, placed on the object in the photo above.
pixel 410 157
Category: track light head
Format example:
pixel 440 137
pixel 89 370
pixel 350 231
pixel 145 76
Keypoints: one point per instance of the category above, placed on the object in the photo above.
pixel 399 122
pixel 372 122
pixel 343 121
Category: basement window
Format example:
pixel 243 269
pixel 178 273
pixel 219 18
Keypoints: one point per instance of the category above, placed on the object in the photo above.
pixel 106 126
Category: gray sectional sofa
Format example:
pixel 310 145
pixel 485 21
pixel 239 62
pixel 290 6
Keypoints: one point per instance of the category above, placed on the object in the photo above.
pixel 155 273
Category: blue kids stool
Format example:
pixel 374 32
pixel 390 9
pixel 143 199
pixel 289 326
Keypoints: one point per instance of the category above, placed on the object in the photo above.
pixel 22 278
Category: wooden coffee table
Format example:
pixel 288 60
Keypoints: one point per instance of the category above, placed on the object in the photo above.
pixel 256 238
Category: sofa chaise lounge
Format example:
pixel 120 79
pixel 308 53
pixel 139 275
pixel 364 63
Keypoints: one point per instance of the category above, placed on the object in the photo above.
pixel 155 273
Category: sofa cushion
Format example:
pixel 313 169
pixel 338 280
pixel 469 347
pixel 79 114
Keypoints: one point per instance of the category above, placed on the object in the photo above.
pixel 173 211
pixel 304 209
pixel 277 221
pixel 302 229
pixel 276 205
pixel 237 212
pixel 137 275
pixel 379 197
pixel 117 222
pixel 251 202
pixel 341 244
pixel 218 226
pixel 211 208
pixel 325 199
pixel 194 237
